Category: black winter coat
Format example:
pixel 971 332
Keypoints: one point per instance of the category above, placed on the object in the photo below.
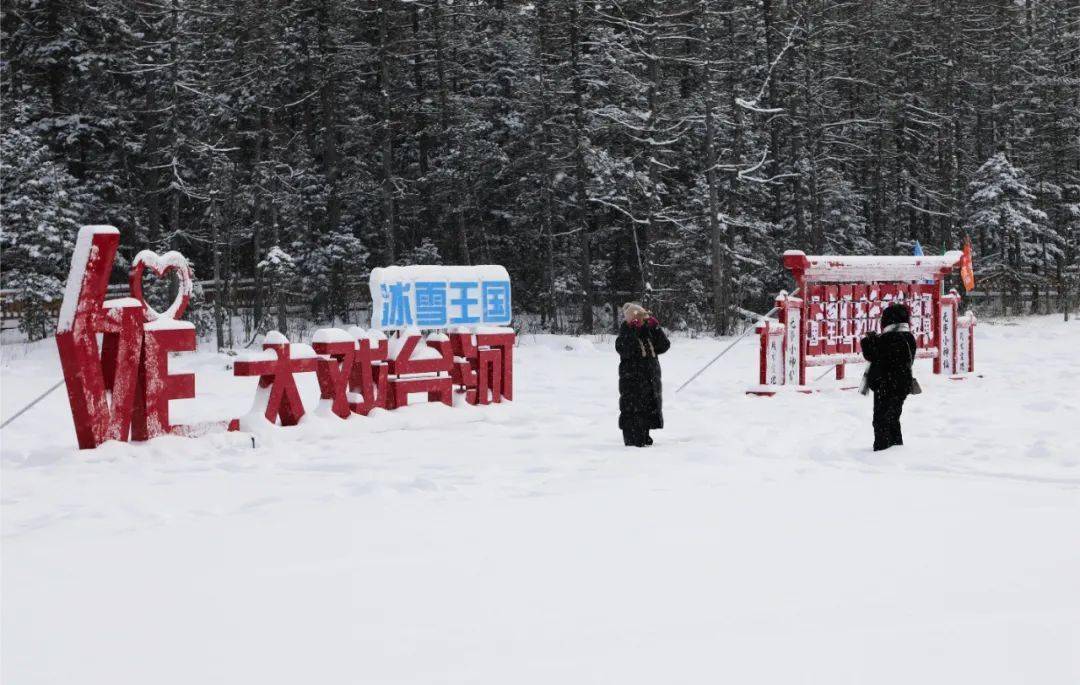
pixel 890 356
pixel 640 391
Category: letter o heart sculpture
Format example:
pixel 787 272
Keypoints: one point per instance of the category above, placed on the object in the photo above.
pixel 161 265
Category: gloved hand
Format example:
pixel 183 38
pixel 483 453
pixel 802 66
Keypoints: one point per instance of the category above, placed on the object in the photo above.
pixel 653 323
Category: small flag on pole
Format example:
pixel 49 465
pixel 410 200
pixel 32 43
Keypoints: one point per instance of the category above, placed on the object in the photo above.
pixel 918 252
pixel 967 271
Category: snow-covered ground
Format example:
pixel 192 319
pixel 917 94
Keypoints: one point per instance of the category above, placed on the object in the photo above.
pixel 759 541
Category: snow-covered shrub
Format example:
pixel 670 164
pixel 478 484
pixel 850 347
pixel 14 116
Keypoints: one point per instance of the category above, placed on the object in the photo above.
pixel 427 252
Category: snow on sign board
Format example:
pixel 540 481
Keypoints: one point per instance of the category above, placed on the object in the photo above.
pixel 841 299
pixel 120 388
pixel 426 296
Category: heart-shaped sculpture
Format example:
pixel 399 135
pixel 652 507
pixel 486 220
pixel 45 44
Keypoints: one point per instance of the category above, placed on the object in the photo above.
pixel 161 265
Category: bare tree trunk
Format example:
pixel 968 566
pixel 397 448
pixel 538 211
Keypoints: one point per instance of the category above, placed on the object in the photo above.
pixel 174 119
pixel 768 20
pixel 727 243
pixel 643 240
pixel 389 228
pixel 328 105
pixel 720 275
pixel 585 214
pixel 152 178
pixel 215 221
pixel 257 298
pixel 817 228
pixel 546 192
pixel 463 237
pixel 440 66
pixel 280 294
pixel 225 294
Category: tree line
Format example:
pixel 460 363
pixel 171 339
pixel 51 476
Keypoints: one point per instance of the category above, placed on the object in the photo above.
pixel 661 150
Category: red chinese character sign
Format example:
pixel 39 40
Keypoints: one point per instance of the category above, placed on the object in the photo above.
pixel 120 388
pixel 841 299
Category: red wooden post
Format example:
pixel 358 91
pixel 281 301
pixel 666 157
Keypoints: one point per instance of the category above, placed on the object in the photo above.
pixel 762 328
pixel 947 331
pixel 971 344
pixel 796 261
pixel 791 319
pixel 936 337
pixel 771 366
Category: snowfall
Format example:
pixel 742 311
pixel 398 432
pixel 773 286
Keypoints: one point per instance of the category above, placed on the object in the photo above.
pixel 759 541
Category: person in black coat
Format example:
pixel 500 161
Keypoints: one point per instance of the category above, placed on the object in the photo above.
pixel 891 355
pixel 640 342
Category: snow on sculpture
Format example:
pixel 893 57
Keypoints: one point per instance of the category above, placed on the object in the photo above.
pixel 416 367
pixel 162 265
pixel 94 374
pixel 121 389
pixel 841 299
pixel 336 350
pixel 368 380
pixel 434 297
pixel 361 370
pixel 472 304
pixel 131 365
pixel 277 396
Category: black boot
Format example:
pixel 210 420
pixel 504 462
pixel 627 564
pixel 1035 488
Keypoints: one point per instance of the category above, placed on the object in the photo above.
pixel 633 437
pixel 648 439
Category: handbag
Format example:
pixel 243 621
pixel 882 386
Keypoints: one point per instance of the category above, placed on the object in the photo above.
pixel 915 389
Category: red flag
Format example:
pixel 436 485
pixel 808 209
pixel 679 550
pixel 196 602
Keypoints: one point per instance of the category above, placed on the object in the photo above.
pixel 967 272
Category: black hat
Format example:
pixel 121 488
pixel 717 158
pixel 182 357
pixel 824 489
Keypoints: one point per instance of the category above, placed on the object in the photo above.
pixel 895 313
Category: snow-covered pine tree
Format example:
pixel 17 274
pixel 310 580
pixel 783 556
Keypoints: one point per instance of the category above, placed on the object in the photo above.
pixel 279 274
pixel 509 130
pixel 43 206
pixel 842 217
pixel 331 268
pixel 1010 229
